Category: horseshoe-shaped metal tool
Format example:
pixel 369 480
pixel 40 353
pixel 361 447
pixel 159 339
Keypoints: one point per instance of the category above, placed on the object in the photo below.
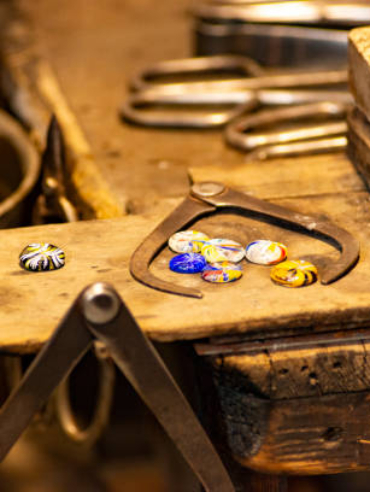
pixel 208 197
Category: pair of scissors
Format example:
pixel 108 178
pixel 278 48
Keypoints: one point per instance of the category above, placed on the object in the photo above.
pixel 212 94
pixel 211 197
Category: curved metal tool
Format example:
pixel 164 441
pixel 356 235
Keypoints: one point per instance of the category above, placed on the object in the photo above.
pixel 299 46
pixel 255 80
pixel 318 137
pixel 151 105
pixel 197 67
pixel 53 204
pixel 208 197
pixel 20 167
pixel 300 12
pixel 204 93
pixel 100 314
pixel 69 421
pixel 139 109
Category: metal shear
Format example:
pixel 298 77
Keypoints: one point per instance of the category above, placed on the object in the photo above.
pixel 327 135
pixel 273 45
pixel 53 204
pixel 214 108
pixel 301 12
pixel 209 197
pixel 209 88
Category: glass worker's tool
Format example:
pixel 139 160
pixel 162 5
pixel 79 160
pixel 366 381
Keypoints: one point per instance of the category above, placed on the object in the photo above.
pixel 212 99
pixel 310 34
pixel 323 129
pixel 273 45
pixel 99 315
pixel 301 12
pixel 210 197
pixel 53 204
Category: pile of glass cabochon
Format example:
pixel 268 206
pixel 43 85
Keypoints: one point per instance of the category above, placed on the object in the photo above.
pixel 221 260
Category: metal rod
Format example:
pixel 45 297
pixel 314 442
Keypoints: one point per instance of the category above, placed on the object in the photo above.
pixel 57 358
pixel 140 363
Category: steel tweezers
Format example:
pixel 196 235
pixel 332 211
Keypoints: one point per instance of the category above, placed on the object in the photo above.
pixel 209 197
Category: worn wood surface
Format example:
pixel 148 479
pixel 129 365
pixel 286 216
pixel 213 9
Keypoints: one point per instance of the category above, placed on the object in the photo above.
pixel 297 436
pixel 297 407
pixel 311 436
pixel 313 369
pixel 285 178
pixel 359 142
pixel 140 164
pixel 100 250
pixel 268 483
pixel 359 67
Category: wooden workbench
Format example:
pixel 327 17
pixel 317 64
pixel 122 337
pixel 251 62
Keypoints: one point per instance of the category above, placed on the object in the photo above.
pixel 33 303
pixel 138 176
pixel 143 174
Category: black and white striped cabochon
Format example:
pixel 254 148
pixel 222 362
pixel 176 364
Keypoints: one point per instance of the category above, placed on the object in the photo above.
pixel 41 257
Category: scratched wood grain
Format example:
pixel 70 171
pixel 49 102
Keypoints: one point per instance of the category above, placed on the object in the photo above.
pixel 303 436
pixel 308 371
pixel 286 178
pixel 301 411
pixel 33 303
pixel 324 185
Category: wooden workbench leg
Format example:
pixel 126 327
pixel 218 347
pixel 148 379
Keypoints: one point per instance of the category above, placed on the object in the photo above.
pixel 268 483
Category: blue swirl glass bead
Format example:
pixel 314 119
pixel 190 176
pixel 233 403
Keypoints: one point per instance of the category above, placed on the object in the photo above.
pixel 188 263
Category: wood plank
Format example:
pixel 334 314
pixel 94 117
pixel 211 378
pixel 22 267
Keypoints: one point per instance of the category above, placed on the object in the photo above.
pixel 359 67
pixel 32 304
pixel 297 409
pixel 359 143
pixel 285 178
pixel 317 370
pixel 276 431
pixel 268 483
pixel 308 436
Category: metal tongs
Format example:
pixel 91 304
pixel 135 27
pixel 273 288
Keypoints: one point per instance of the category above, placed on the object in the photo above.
pixel 300 12
pixel 294 33
pixel 211 91
pixel 205 95
pixel 209 197
pixel 53 204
